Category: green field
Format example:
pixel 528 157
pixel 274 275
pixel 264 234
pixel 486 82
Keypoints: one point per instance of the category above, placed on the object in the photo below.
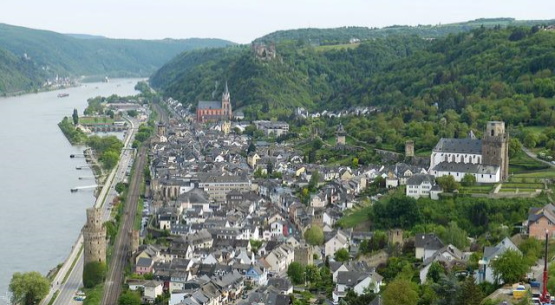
pixel 522 163
pixel 337 47
pixel 523 185
pixel 95 120
pixel 480 189
pixel 549 173
pixel 355 217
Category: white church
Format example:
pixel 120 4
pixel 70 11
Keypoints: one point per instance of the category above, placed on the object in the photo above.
pixel 487 159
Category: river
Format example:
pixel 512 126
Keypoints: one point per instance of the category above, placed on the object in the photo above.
pixel 40 218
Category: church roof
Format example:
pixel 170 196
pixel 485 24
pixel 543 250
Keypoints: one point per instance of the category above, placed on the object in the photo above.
pixel 209 105
pixel 466 168
pixel 459 146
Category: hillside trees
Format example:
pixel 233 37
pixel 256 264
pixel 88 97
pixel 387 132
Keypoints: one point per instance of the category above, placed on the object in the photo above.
pixel 28 288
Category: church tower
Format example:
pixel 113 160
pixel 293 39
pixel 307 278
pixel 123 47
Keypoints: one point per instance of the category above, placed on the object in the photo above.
pixel 495 147
pixel 226 104
pixel 94 237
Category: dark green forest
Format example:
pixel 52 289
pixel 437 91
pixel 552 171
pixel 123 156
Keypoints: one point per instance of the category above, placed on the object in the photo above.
pixel 17 73
pixel 50 54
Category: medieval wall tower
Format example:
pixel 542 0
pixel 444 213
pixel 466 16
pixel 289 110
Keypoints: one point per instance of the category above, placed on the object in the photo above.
pixel 409 148
pixel 94 237
pixel 226 104
pixel 495 147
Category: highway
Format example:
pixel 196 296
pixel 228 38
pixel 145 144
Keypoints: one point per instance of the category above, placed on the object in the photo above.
pixel 68 288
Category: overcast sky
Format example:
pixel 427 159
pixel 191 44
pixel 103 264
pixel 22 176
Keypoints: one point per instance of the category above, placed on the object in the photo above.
pixel 244 20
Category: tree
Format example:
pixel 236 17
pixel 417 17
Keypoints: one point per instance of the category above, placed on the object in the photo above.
pixel 314 180
pixel 448 183
pixel 75 117
pixel 251 148
pixel 132 113
pixel 509 267
pixel 435 272
pixel 342 255
pixel 270 168
pixel 109 159
pixel 28 288
pixel 314 235
pixel 296 272
pixel 93 274
pixel 468 180
pixel 354 163
pixel 120 187
pixel 129 298
pixel 471 294
pixel 400 291
pixel 455 236
pixel 514 147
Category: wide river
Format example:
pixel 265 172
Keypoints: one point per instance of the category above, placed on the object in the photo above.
pixel 40 218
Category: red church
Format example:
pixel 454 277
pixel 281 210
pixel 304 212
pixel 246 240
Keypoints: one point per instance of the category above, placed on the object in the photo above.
pixel 213 111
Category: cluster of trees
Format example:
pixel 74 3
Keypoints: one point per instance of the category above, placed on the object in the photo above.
pixel 316 278
pixel 455 218
pixel 73 135
pixel 108 149
pixel 28 288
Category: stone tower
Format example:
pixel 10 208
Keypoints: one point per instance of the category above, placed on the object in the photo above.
pixel 226 104
pixel 340 135
pixel 94 237
pixel 161 130
pixel 409 148
pixel 495 147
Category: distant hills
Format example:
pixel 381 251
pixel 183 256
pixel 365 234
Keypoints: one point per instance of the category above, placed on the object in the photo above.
pixel 344 34
pixel 49 54
pixel 452 70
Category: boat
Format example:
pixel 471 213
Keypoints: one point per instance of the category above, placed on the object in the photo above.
pixel 63 94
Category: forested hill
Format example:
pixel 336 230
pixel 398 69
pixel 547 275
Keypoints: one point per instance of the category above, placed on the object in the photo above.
pixel 299 75
pixel 18 74
pixel 345 34
pixel 473 68
pixel 67 55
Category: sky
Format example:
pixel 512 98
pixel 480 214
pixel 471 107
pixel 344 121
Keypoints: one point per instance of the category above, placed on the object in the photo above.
pixel 242 21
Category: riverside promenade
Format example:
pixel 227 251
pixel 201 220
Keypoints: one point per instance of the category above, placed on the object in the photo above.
pixel 69 278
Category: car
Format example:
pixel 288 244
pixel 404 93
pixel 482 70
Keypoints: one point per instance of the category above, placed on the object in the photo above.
pixel 245 296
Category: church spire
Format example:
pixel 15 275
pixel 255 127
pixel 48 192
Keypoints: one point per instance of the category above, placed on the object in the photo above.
pixel 226 89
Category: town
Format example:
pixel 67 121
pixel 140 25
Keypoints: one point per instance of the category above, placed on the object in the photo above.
pixel 229 220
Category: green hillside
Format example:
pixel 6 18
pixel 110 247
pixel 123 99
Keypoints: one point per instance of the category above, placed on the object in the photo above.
pixel 299 75
pixel 68 55
pixel 18 74
pixel 344 34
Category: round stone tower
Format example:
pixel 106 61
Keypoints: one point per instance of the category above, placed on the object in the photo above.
pixel 94 237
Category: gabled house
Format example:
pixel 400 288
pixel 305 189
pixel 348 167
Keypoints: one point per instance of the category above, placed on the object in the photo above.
pixel 356 281
pixel 449 256
pixel 485 274
pixel 339 240
pixel 541 220
pixel 257 275
pixel 425 245
pixel 420 185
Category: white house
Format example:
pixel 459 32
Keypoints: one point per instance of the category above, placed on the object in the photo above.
pixel 357 281
pixel 420 185
pixel 426 245
pixel 485 274
pixel 340 240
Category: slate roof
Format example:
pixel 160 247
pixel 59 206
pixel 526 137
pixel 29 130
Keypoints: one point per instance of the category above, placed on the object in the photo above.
pixel 418 179
pixel 428 241
pixel 144 262
pixel 459 146
pixel 209 105
pixel 466 168
pixel 547 211
pixel 500 248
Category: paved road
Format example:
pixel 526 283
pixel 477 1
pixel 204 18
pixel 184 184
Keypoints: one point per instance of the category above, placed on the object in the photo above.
pixel 68 288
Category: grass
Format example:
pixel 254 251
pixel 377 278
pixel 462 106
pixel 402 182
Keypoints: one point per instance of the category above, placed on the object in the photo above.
pixel 549 173
pixel 94 295
pixel 523 185
pixel 337 47
pixel 54 296
pixel 355 217
pixel 95 120
pixel 522 163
